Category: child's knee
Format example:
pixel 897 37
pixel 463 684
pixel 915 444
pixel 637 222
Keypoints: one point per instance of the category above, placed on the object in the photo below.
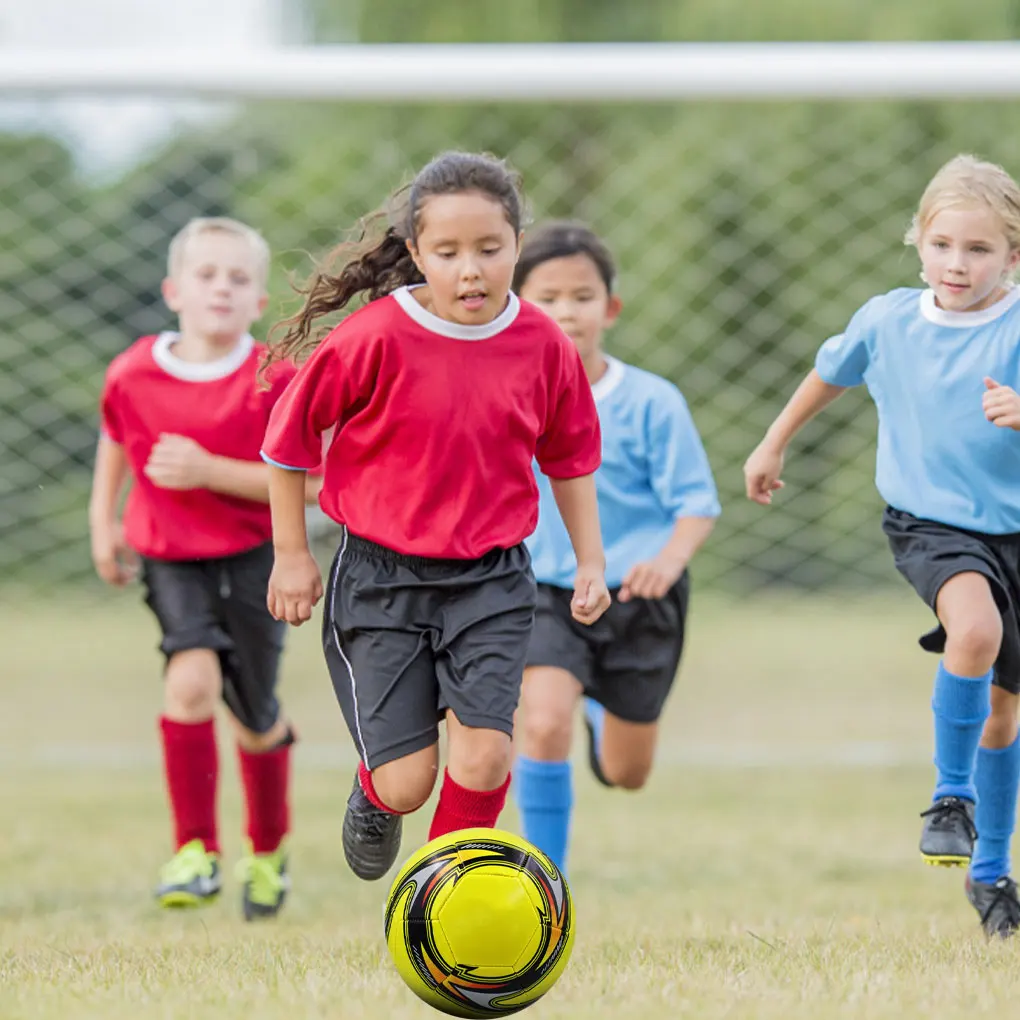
pixel 482 761
pixel 627 775
pixel 192 683
pixel 406 783
pixel 545 735
pixel 976 639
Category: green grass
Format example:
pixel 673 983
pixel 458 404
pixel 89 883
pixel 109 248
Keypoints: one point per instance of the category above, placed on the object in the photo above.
pixel 769 871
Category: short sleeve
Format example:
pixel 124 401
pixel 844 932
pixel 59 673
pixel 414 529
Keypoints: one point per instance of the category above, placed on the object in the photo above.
pixel 311 403
pixel 843 359
pixel 571 445
pixel 680 474
pixel 110 411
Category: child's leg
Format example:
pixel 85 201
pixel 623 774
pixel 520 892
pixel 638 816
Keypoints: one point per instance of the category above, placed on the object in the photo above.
pixel 972 621
pixel 996 778
pixel 192 690
pixel 543 781
pixel 476 779
pixel 625 750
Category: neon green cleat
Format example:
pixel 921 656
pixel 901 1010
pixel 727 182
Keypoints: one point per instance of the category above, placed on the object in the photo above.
pixel 190 878
pixel 266 883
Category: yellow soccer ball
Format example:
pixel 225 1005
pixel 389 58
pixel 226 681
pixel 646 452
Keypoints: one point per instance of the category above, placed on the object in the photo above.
pixel 479 923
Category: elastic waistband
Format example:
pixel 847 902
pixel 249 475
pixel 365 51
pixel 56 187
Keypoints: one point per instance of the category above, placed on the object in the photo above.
pixel 373 550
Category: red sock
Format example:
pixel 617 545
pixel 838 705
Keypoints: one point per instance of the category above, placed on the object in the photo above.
pixel 266 778
pixel 367 787
pixel 192 766
pixel 461 808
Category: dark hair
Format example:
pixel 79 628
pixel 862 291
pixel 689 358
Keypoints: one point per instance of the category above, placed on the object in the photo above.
pixel 559 239
pixel 378 267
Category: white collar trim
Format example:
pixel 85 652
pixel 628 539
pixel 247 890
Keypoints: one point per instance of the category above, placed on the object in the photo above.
pixel 454 330
pixel 967 320
pixel 611 378
pixel 199 371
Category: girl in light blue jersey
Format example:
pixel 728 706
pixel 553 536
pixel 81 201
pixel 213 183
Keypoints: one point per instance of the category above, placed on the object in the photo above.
pixel 657 505
pixel 942 365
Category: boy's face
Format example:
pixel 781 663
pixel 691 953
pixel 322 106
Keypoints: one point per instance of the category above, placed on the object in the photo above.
pixel 218 289
pixel 571 290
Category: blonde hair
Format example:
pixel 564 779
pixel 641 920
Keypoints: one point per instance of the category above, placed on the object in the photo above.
pixel 218 225
pixel 966 181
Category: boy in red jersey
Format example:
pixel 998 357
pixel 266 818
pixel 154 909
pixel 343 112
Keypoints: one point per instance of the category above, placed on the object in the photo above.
pixel 442 391
pixel 183 417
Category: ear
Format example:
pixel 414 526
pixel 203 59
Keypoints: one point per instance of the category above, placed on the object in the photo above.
pixel 171 298
pixel 520 246
pixel 1013 261
pixel 613 308
pixel 415 256
pixel 263 302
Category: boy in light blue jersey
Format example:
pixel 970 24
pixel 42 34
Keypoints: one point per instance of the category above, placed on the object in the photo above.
pixel 942 365
pixel 657 505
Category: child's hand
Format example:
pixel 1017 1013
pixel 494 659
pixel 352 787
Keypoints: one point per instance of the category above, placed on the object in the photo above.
pixel 177 462
pixel 762 471
pixel 652 579
pixel 1001 405
pixel 591 596
pixel 295 586
pixel 115 561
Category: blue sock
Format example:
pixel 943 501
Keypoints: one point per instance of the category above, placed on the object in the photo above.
pixel 596 716
pixel 544 791
pixel 997 778
pixel 961 704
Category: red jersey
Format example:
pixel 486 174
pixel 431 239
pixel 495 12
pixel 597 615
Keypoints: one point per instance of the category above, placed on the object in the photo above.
pixel 438 424
pixel 219 404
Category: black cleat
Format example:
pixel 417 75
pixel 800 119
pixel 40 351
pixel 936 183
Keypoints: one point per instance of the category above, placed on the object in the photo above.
pixel 947 838
pixel 371 837
pixel 997 905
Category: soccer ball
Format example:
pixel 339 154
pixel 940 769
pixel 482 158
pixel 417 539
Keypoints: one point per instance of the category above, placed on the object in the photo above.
pixel 479 923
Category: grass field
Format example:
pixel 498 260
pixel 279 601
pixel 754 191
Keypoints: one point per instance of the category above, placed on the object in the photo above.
pixel 769 871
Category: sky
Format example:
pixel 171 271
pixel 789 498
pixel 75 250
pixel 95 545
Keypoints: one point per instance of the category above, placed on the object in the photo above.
pixel 108 134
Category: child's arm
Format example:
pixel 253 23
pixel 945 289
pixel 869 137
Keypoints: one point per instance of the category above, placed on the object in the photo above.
pixel 765 465
pixel 177 462
pixel 295 585
pixel 579 508
pixel 114 561
pixel 653 578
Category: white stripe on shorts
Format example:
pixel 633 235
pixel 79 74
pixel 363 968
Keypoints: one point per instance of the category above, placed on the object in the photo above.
pixel 339 647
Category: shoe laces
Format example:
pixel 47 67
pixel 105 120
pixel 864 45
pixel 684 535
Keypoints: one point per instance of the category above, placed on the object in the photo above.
pixel 263 873
pixel 376 824
pixel 189 862
pixel 1005 898
pixel 947 813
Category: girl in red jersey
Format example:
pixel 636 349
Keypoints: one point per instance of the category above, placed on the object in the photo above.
pixel 183 417
pixel 442 389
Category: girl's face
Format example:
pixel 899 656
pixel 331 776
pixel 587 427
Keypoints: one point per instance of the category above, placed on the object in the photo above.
pixel 466 250
pixel 572 292
pixel 966 257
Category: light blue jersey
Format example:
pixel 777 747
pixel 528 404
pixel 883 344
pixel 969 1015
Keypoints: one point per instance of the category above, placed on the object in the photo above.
pixel 654 470
pixel 938 456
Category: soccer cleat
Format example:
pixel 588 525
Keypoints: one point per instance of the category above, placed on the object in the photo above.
pixel 190 878
pixel 371 836
pixel 593 756
pixel 948 834
pixel 265 881
pixel 997 905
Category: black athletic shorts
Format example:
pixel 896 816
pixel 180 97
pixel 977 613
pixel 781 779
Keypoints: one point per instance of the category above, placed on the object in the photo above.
pixel 928 554
pixel 220 604
pixel 408 637
pixel 627 659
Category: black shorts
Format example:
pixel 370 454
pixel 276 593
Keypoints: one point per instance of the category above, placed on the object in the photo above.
pixel 627 659
pixel 928 554
pixel 408 637
pixel 220 604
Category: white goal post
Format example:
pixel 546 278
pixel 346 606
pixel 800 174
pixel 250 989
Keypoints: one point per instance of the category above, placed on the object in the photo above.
pixel 537 73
